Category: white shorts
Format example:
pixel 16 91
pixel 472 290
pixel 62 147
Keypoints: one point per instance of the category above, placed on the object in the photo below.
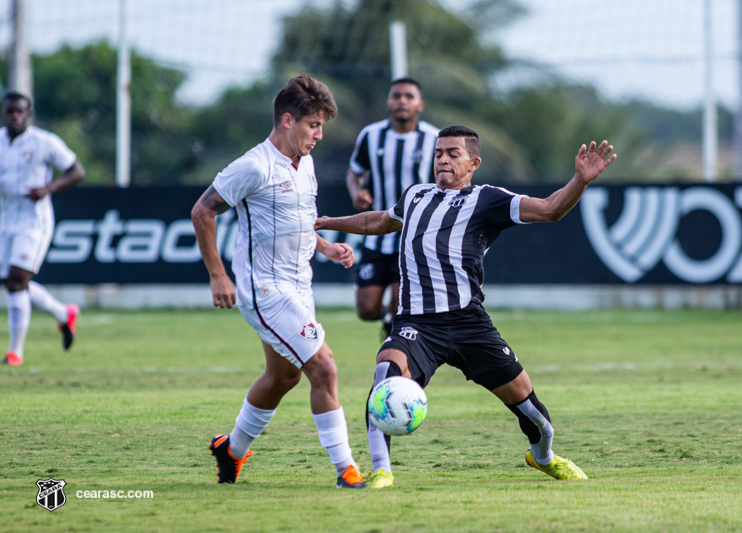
pixel 23 251
pixel 288 326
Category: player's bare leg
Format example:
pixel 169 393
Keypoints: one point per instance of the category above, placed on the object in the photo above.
pixel 519 397
pixel 369 302
pixel 329 417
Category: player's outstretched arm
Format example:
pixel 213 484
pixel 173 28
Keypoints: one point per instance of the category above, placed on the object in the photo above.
pixel 339 252
pixel 370 223
pixel 204 215
pixel 589 164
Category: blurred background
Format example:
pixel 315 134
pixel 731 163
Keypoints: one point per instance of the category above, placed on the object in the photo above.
pixel 157 96
pixel 536 78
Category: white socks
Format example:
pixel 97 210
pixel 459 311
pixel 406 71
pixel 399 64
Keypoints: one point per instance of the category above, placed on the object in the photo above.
pixel 333 436
pixel 249 424
pixel 19 317
pixel 377 441
pixel 43 300
pixel 542 449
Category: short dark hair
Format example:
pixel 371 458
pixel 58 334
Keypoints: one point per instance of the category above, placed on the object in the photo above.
pixel 471 137
pixel 14 96
pixel 407 79
pixel 303 96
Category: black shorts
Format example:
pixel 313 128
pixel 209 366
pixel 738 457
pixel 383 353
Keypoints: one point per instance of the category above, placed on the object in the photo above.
pixel 376 268
pixel 465 339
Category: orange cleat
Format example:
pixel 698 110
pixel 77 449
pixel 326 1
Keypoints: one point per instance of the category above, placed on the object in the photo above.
pixel 229 466
pixel 351 479
pixel 12 359
pixel 69 328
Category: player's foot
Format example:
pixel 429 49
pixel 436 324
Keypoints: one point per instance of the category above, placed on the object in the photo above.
pixel 12 359
pixel 229 466
pixel 351 479
pixel 69 328
pixel 559 468
pixel 380 479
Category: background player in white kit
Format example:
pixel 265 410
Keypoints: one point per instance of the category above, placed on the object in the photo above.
pixel 27 155
pixel 273 188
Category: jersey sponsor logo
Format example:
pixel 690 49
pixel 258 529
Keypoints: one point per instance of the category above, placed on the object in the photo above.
pixel 408 333
pixel 457 201
pixel 647 232
pixel 28 157
pixel 366 272
pixel 416 199
pixel 380 152
pixel 309 332
pixel 51 493
pixel 286 186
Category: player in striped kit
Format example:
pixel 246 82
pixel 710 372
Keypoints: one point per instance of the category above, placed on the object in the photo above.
pixel 273 188
pixel 446 230
pixel 28 156
pixel 389 156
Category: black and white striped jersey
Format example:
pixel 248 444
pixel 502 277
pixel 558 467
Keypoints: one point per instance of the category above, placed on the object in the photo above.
pixel 395 162
pixel 444 237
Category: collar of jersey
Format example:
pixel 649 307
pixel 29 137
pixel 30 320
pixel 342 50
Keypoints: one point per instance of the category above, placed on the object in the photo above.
pixel 283 159
pixel 6 135
pixel 454 192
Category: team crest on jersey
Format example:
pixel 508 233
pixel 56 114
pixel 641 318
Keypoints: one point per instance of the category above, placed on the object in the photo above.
pixel 28 156
pixel 408 333
pixel 51 493
pixel 457 201
pixel 417 156
pixel 366 272
pixel 309 332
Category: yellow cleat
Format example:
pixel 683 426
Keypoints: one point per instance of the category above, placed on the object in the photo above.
pixel 380 479
pixel 559 468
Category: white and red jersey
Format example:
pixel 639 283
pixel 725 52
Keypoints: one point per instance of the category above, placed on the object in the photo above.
pixel 276 208
pixel 26 163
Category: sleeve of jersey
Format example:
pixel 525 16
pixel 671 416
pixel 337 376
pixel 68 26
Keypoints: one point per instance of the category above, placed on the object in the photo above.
pixel 60 156
pixel 503 207
pixel 360 161
pixel 239 180
pixel 397 212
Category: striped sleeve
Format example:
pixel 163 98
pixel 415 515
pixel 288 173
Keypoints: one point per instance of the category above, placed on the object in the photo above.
pixel 360 161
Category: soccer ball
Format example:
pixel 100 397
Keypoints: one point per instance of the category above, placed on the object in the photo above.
pixel 397 406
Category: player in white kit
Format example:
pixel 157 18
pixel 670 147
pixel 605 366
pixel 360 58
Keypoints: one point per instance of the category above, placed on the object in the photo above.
pixel 27 155
pixel 273 188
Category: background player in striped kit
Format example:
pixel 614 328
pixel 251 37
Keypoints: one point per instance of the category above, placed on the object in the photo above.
pixel 27 157
pixel 273 188
pixel 446 230
pixel 389 156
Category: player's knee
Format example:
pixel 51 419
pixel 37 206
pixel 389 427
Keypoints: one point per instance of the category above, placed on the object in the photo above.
pixel 368 312
pixel 322 372
pixel 15 284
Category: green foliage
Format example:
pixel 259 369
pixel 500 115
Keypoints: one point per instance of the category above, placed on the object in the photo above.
pixel 75 95
pixel 646 402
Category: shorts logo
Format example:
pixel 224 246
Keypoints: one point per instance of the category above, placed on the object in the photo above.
pixel 51 494
pixel 264 290
pixel 408 333
pixel 506 350
pixel 309 332
pixel 366 272
pixel 457 201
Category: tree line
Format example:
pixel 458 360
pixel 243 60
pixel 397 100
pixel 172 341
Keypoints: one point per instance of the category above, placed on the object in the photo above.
pixel 528 134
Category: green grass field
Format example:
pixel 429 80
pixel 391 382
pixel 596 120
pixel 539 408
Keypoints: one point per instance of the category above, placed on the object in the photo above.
pixel 647 403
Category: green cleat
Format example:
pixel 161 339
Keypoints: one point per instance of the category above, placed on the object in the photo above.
pixel 560 468
pixel 380 479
